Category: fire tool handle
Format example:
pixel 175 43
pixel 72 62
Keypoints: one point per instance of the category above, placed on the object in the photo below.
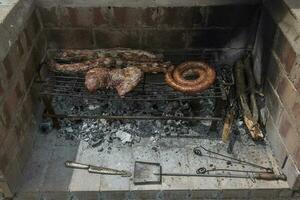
pixel 76 165
pixel 270 177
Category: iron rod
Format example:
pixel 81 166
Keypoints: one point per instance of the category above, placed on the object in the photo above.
pixel 238 160
pixel 128 98
pixel 205 175
pixel 235 170
pixel 116 117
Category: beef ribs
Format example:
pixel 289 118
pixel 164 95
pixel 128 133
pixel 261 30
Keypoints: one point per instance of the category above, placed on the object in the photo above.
pixel 80 61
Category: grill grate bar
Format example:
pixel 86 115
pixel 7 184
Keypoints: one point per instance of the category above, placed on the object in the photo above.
pixel 124 117
pixel 64 85
pixel 72 86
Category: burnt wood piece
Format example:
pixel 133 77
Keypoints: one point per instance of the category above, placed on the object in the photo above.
pixel 227 128
pixel 241 91
pixel 251 88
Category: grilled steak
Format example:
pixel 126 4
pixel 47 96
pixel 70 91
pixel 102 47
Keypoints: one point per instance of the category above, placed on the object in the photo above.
pixel 123 80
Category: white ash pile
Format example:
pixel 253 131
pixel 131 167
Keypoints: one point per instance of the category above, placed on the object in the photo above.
pixel 98 131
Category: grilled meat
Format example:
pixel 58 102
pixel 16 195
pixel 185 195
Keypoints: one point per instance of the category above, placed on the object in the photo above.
pixel 81 67
pixel 123 80
pixel 175 77
pixel 151 67
pixel 80 61
pixel 97 78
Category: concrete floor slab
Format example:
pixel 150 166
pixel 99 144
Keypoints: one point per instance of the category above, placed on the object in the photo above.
pixel 38 164
pixel 174 160
pixel 121 159
pixel 82 180
pixel 58 176
pixel 48 174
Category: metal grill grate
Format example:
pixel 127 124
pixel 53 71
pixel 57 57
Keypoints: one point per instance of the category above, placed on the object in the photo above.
pixel 152 88
pixel 72 86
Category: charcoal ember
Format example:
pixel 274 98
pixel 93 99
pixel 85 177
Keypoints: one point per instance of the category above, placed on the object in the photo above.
pixel 158 124
pixel 170 122
pixel 206 122
pixel 124 136
pixel 101 133
pixel 185 106
pixel 154 139
pixel 103 121
pixel 96 142
pixel 173 133
pixel 69 130
pixel 171 106
pixel 178 113
pixel 145 127
pixel 128 126
pixel 184 131
pixel 93 107
pixel 193 132
pixel 69 136
pixel 167 129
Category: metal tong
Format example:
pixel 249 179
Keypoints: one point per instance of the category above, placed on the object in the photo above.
pixel 266 174
pixel 198 152
pixel 259 176
pixel 96 169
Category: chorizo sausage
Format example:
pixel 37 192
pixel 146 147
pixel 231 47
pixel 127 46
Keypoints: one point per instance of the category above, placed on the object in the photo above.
pixel 175 77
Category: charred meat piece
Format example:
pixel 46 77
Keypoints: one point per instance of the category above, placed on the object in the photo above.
pixel 72 55
pixel 96 78
pixel 81 67
pixel 151 67
pixel 123 80
pixel 138 55
pixel 80 61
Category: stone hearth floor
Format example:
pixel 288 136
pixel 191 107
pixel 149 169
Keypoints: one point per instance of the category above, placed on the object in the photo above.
pixel 46 177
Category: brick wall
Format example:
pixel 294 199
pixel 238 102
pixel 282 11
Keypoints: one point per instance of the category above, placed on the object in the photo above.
pixel 230 27
pixel 23 46
pixel 278 52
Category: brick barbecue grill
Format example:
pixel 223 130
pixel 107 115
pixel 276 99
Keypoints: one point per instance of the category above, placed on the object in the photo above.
pixel 47 117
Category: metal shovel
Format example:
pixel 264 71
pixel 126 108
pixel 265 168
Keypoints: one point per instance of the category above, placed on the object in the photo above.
pixel 151 173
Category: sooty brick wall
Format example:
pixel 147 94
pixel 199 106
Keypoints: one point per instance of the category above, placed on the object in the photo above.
pixel 25 46
pixel 223 26
pixel 280 61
